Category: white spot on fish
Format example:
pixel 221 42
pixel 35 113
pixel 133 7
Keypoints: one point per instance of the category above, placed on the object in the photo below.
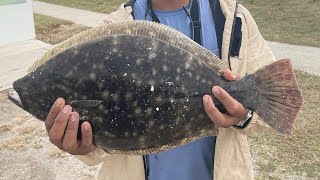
pixel 157 109
pixel 154 71
pixel 134 134
pixel 186 65
pixel 152 82
pixel 92 76
pixel 159 98
pixel 165 68
pixel 115 97
pixel 128 95
pixel 187 127
pixel 105 94
pixel 98 120
pixel 75 94
pixel 152 56
pixel 142 140
pixel 149 111
pixel 151 123
pixel 169 83
pixel 152 88
pixel 135 103
pixel 84 97
pixel 137 111
pixel 115 41
pixel 177 121
pixel 126 134
pixel 107 134
pixel 101 107
pixel 125 74
pixel 183 88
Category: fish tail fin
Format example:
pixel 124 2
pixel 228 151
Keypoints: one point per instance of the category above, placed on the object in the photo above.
pixel 278 94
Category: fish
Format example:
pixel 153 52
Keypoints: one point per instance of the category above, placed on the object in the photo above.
pixel 140 85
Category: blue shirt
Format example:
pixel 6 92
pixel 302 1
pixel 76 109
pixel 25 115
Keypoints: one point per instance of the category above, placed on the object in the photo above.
pixel 192 161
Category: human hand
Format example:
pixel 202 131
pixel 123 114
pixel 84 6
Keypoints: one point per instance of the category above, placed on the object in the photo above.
pixel 236 112
pixel 62 127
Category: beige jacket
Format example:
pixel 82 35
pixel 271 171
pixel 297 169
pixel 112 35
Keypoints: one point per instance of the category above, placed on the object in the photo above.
pixel 232 155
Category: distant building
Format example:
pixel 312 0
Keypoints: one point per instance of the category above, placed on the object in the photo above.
pixel 16 21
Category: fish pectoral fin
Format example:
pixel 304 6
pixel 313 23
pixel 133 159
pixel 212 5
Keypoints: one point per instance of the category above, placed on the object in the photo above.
pixel 82 104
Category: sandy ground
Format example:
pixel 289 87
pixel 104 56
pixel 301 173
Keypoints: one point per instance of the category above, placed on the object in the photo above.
pixel 26 152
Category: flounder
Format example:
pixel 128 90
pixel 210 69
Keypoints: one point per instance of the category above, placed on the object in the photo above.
pixel 140 85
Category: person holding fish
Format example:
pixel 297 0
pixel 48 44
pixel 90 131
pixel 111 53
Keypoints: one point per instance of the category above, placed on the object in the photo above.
pixel 225 28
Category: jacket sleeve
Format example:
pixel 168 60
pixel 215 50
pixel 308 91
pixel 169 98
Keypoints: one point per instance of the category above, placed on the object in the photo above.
pixel 122 14
pixel 98 156
pixel 258 55
pixel 94 158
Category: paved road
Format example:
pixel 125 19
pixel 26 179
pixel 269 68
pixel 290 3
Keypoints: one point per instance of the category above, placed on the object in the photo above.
pixel 16 58
pixel 304 58
pixel 78 16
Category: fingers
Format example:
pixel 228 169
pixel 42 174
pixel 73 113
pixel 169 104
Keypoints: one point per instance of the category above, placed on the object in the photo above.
pixel 86 144
pixel 70 142
pixel 236 112
pixel 214 114
pixel 62 127
pixel 56 133
pixel 53 113
pixel 230 75
pixel 233 107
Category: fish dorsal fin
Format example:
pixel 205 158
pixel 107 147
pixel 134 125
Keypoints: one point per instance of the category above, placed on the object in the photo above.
pixel 137 28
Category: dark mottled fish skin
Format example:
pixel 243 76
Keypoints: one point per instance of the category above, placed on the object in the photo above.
pixel 151 91
pixel 141 93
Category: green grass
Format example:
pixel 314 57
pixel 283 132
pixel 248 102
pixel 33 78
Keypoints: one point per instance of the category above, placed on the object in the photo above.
pixel 288 21
pixel 53 30
pixel 103 6
pixel 277 155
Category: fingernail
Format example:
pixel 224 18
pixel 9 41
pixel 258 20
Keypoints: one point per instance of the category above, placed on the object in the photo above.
pixel 58 102
pixel 236 75
pixel 73 117
pixel 66 109
pixel 86 127
pixel 216 91
pixel 205 99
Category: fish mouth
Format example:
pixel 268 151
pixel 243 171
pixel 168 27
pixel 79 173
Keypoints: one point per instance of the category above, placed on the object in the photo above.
pixel 15 98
